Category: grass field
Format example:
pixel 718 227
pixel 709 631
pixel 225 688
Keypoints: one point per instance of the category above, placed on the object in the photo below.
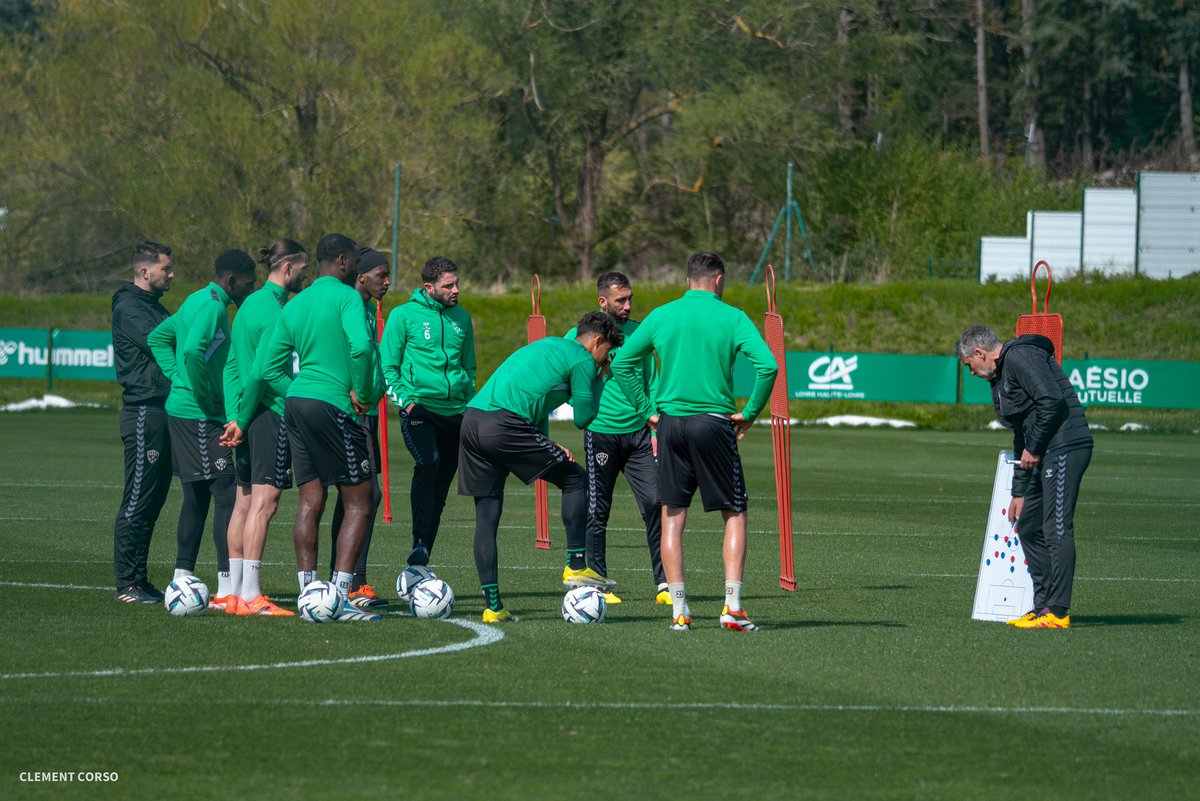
pixel 870 682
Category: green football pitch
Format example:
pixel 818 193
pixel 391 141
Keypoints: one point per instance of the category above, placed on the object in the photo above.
pixel 871 681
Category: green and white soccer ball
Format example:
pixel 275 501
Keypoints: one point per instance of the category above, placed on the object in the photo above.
pixel 409 579
pixel 319 602
pixel 432 598
pixel 186 596
pixel 584 605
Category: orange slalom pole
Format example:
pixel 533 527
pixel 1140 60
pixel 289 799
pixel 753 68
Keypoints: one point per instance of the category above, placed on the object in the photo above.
pixel 383 431
pixel 541 497
pixel 781 436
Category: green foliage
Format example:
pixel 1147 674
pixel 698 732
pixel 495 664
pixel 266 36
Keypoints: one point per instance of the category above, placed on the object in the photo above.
pixel 560 136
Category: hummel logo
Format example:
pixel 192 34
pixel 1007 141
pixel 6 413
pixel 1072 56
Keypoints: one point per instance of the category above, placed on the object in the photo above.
pixel 1050 472
pixel 7 349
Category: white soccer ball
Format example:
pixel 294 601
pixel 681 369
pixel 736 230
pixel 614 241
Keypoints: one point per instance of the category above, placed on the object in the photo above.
pixel 186 596
pixel 320 602
pixel 584 605
pixel 410 578
pixel 432 598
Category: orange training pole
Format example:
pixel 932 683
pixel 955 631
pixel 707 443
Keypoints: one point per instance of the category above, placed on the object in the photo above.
pixel 541 498
pixel 383 431
pixel 781 436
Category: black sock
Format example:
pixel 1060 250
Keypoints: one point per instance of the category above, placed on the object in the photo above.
pixel 487 521
pixel 1058 611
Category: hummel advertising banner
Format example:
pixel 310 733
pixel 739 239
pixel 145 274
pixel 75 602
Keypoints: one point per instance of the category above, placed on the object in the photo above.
pixel 28 352
pixel 862 376
pixel 1113 382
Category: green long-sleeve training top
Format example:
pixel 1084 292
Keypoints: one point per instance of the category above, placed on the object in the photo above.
pixel 326 326
pixel 429 355
pixel 697 338
pixel 244 389
pixel 616 414
pixel 539 378
pixel 191 346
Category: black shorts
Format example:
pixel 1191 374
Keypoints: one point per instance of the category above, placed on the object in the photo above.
pixel 370 423
pixel 264 458
pixel 700 449
pixel 328 444
pixel 196 452
pixel 494 444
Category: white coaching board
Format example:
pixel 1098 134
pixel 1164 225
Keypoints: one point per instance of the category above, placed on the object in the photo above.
pixel 1004 589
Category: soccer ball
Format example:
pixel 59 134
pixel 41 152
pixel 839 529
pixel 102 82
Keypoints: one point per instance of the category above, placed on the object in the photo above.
pixel 584 605
pixel 410 578
pixel 320 602
pixel 432 598
pixel 186 596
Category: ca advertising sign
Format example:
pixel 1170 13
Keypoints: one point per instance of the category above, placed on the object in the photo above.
pixel 28 353
pixel 1116 382
pixel 862 376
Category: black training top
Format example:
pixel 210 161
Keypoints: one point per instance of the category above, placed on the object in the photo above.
pixel 1034 398
pixel 135 313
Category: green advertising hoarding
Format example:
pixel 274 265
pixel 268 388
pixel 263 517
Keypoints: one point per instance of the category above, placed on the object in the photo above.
pixel 814 375
pixel 26 352
pixel 1117 382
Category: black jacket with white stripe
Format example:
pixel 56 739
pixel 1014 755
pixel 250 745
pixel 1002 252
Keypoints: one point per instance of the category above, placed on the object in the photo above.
pixel 1034 398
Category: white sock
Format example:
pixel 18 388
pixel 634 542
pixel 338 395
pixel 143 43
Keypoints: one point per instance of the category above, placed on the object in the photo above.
pixel 224 584
pixel 678 600
pixel 306 577
pixel 343 582
pixel 251 568
pixel 235 576
pixel 733 595
pixel 180 573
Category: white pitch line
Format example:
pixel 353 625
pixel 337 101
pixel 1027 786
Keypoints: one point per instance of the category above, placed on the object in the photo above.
pixel 737 706
pixel 484 635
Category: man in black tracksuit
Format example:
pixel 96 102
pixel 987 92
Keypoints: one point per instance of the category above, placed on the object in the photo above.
pixel 1033 397
pixel 135 313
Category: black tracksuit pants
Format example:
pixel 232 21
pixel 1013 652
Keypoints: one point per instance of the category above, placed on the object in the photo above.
pixel 432 439
pixel 147 480
pixel 607 456
pixel 1047 527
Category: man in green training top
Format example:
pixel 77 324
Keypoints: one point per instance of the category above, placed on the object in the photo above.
pixel 262 458
pixel 620 440
pixel 326 327
pixel 505 430
pixel 697 338
pixel 429 364
pixel 191 347
pixel 372 284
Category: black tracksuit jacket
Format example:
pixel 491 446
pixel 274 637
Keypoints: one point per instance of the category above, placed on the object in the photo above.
pixel 135 313
pixel 1034 398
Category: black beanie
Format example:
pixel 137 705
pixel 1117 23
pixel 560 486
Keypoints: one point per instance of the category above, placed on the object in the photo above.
pixel 369 259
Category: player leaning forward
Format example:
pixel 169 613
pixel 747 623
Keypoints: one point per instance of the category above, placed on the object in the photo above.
pixel 505 428
pixel 1034 398
pixel 697 338
pixel 326 327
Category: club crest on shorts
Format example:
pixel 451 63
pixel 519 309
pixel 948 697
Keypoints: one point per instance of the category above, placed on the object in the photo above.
pixel 601 459
pixel 221 463
pixel 152 456
pixel 366 465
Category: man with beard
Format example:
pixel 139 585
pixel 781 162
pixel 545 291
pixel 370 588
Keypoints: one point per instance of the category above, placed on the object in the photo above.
pixel 135 313
pixel 620 440
pixel 429 365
